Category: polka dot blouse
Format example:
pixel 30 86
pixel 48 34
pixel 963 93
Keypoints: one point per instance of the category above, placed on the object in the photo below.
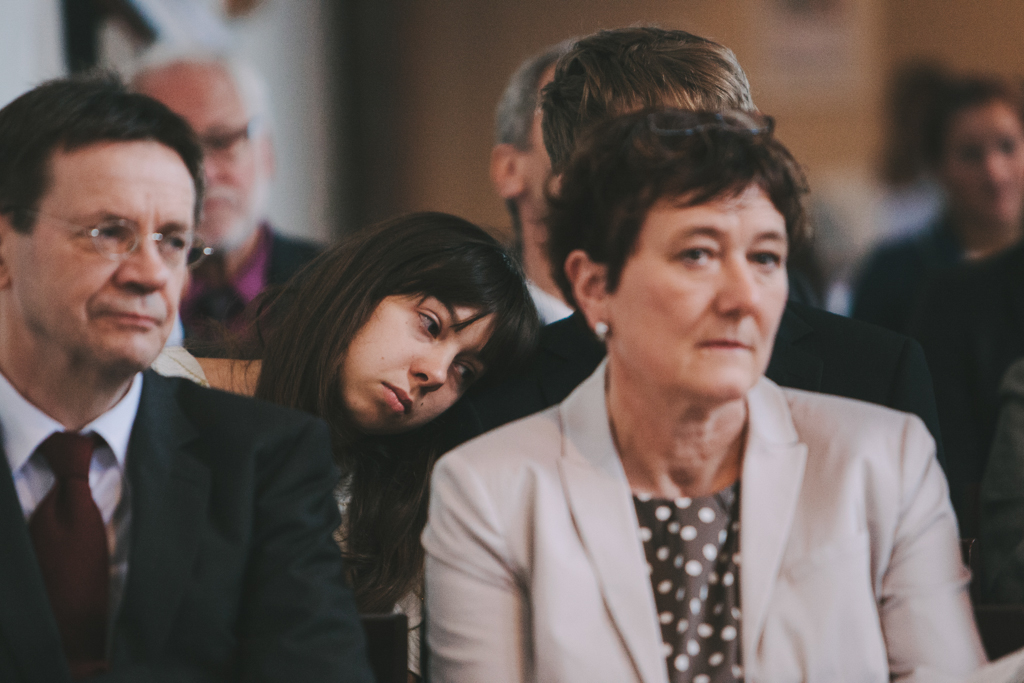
pixel 692 548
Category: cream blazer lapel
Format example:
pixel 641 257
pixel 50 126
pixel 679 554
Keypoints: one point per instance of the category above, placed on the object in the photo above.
pixel 602 510
pixel 772 475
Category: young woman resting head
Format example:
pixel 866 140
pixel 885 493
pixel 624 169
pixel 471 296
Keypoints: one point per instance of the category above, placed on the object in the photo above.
pixel 379 335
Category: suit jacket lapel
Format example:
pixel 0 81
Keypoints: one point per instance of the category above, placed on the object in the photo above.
pixel 26 620
pixel 169 487
pixel 773 472
pixel 790 365
pixel 602 510
pixel 569 353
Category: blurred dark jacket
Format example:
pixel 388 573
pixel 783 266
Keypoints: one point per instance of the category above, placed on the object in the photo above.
pixel 971 325
pixel 895 275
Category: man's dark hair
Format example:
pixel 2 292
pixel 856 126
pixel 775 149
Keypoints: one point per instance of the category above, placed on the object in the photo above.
pixel 960 94
pixel 626 165
pixel 71 113
pixel 627 69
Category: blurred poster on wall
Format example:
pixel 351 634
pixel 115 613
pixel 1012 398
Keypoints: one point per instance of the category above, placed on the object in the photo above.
pixel 813 48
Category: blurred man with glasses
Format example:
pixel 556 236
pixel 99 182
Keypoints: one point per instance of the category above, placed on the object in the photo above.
pixel 151 529
pixel 226 102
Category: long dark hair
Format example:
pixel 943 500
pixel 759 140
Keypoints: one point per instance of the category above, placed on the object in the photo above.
pixel 305 331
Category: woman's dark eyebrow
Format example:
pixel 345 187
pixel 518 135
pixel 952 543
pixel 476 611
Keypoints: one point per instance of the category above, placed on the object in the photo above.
pixel 703 230
pixel 463 324
pixel 771 236
pixel 457 324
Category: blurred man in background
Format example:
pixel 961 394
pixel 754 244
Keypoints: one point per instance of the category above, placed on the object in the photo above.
pixel 520 170
pixel 226 102
pixel 970 318
pixel 974 142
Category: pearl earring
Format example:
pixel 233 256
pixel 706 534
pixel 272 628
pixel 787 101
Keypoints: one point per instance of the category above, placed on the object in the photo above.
pixel 601 330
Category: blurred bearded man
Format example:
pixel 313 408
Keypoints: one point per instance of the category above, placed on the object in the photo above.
pixel 226 102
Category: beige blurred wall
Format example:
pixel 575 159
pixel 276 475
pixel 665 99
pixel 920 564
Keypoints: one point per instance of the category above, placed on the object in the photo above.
pixel 981 35
pixel 454 57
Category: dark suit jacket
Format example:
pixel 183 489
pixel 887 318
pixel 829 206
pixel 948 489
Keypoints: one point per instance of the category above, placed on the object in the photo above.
pixel 207 337
pixel 814 350
pixel 287 256
pixel 971 325
pixel 232 571
pixel 895 275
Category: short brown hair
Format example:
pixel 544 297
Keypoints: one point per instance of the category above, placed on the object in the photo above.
pixel 626 165
pixel 963 93
pixel 627 69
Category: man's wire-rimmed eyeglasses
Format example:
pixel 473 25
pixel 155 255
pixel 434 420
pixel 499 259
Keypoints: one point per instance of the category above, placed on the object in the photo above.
pixel 117 238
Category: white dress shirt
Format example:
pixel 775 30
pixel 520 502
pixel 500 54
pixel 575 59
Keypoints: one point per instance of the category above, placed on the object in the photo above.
pixel 177 337
pixel 549 307
pixel 24 427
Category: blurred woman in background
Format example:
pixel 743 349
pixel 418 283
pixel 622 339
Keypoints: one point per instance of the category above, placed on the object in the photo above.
pixel 975 143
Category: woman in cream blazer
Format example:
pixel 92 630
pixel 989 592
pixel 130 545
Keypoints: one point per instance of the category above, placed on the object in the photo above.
pixel 850 566
pixel 568 546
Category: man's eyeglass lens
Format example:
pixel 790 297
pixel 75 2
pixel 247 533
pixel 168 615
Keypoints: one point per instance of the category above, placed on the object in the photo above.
pixel 117 239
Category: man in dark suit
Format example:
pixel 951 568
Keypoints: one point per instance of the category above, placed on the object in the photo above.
pixel 227 103
pixel 152 530
pixel 971 325
pixel 619 71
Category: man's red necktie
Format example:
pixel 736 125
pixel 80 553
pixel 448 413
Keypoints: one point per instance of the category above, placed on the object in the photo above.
pixel 71 547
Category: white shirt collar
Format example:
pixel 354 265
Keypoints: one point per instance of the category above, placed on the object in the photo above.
pixel 24 426
pixel 549 307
